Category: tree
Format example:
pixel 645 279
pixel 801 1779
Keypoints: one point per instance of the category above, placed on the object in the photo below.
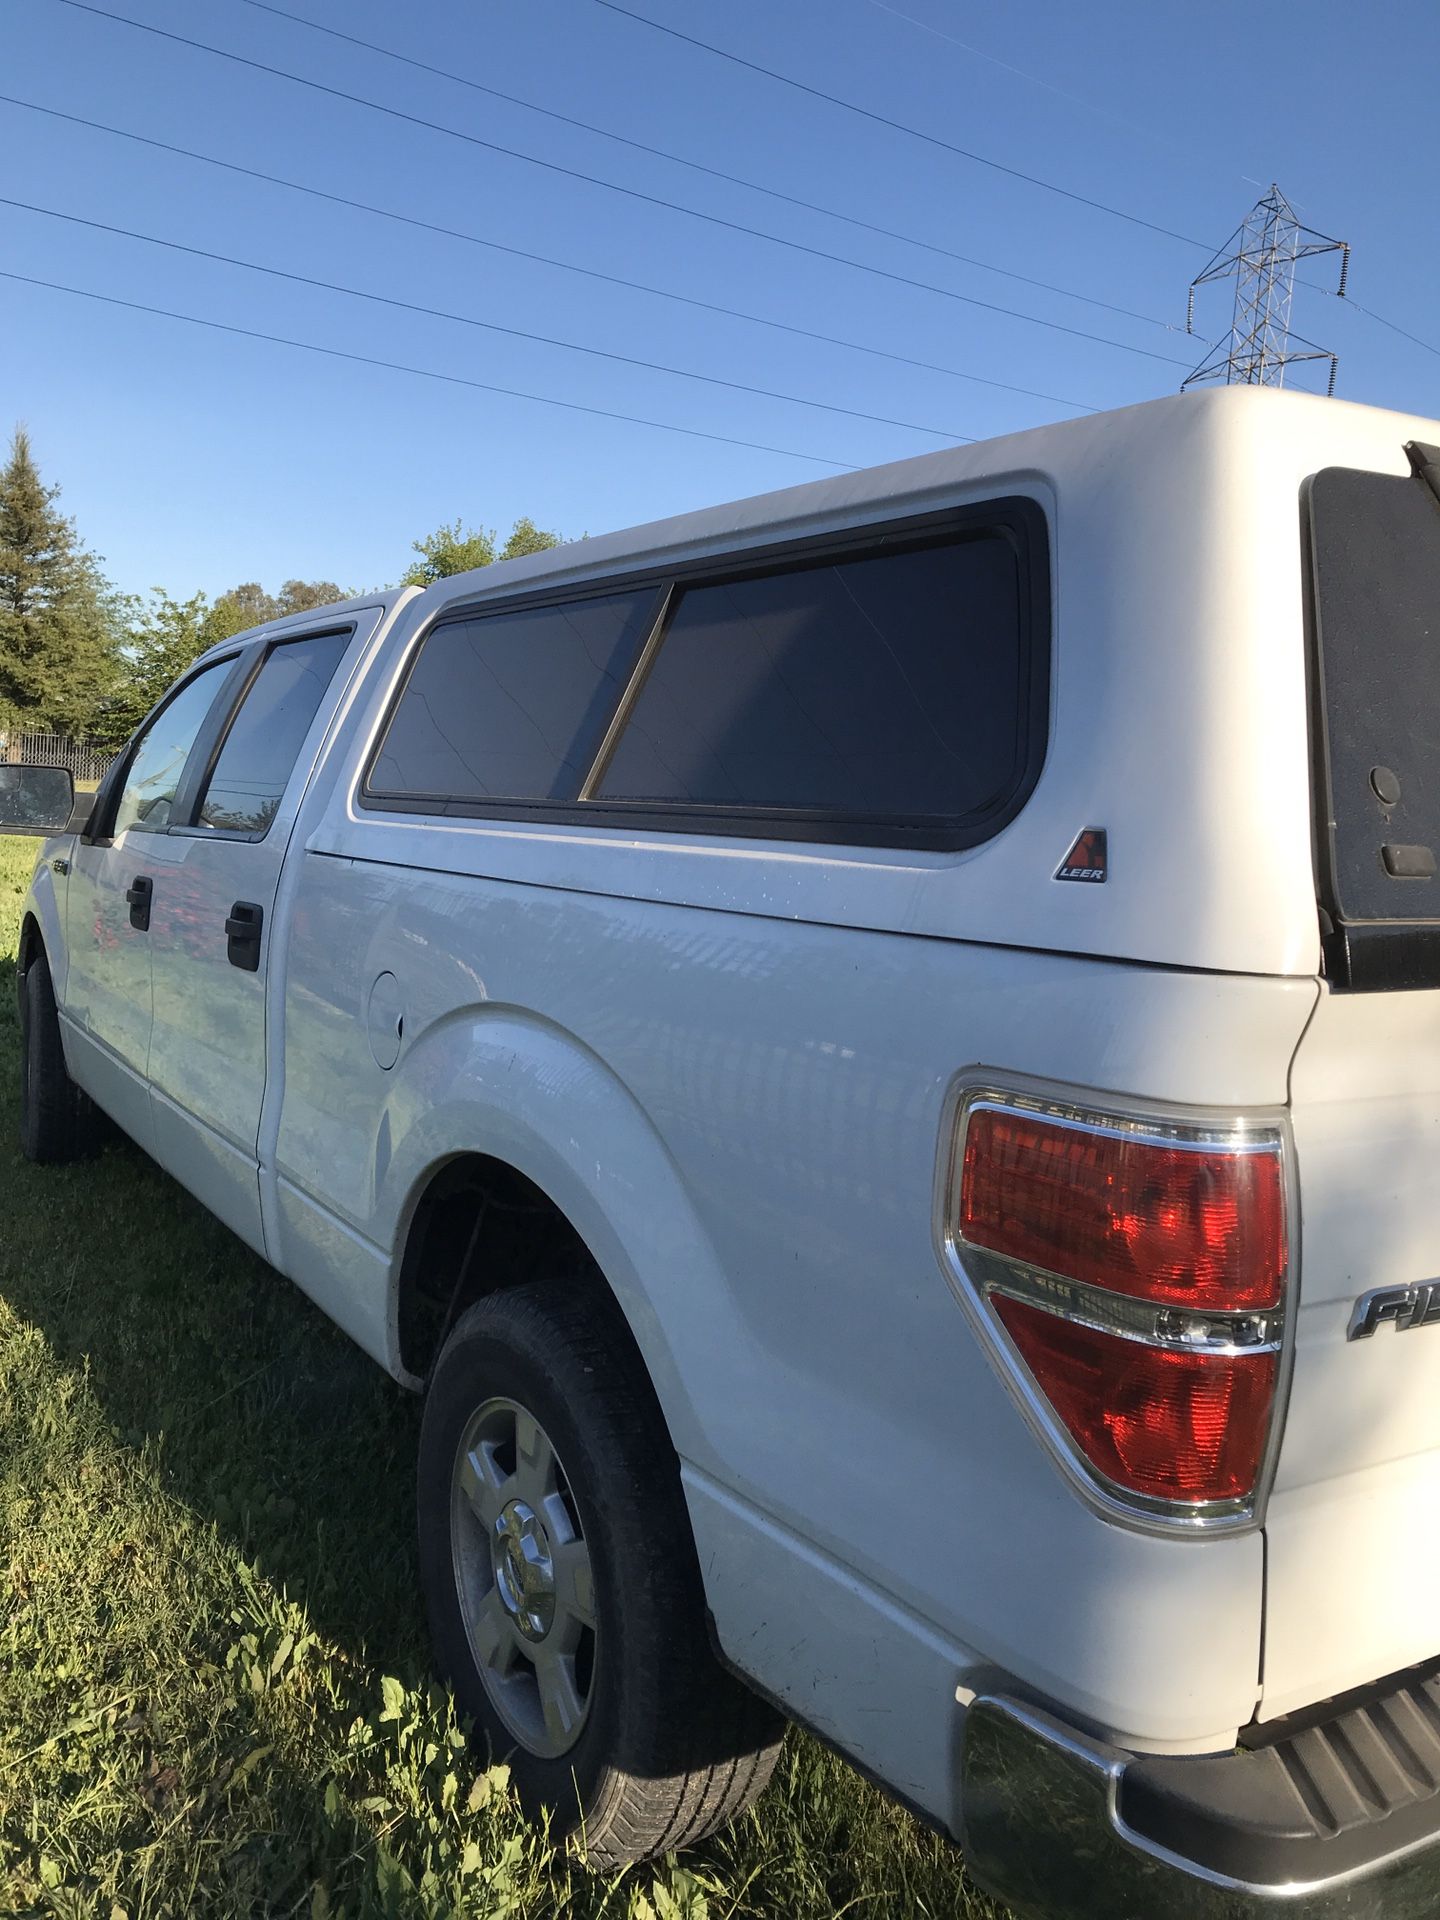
pixel 526 537
pixel 165 635
pixel 60 619
pixel 163 639
pixel 303 596
pixel 250 605
pixel 452 550
pixel 449 550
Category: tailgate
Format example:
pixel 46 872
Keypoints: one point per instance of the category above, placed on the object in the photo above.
pixel 1353 1548
pixel 1353 1544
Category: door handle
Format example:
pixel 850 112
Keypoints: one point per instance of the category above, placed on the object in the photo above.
pixel 138 895
pixel 242 935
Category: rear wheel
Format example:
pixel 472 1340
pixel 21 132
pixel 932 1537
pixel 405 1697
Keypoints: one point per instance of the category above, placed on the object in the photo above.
pixel 562 1586
pixel 57 1121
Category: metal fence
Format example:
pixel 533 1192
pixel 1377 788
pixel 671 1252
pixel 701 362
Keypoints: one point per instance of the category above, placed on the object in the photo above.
pixel 55 750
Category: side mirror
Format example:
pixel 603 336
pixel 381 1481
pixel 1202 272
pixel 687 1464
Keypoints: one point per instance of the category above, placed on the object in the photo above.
pixel 37 800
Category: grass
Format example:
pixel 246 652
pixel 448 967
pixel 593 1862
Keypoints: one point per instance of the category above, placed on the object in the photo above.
pixel 215 1696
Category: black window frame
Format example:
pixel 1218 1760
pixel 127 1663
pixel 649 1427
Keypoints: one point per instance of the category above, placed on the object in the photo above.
pixel 210 741
pixel 246 660
pixel 99 829
pixel 1399 952
pixel 1018 518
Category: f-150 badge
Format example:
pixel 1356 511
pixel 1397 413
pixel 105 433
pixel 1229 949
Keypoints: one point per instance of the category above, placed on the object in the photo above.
pixel 1402 1307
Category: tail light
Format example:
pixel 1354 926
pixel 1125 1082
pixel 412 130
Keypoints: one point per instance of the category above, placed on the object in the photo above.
pixel 1131 1278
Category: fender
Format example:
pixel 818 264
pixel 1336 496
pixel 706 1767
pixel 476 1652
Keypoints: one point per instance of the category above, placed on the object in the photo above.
pixel 47 913
pixel 503 1082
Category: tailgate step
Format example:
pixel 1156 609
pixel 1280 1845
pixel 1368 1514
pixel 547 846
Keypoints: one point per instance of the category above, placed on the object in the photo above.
pixel 1347 1783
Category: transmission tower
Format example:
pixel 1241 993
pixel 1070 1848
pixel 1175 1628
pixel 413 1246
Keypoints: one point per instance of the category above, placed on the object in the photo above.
pixel 1260 257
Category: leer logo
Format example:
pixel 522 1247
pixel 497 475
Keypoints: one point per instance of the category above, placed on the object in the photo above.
pixel 1087 859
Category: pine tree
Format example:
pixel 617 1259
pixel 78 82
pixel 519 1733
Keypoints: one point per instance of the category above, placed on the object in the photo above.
pixel 59 617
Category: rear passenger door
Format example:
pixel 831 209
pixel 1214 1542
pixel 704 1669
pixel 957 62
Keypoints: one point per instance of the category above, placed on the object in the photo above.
pixel 215 880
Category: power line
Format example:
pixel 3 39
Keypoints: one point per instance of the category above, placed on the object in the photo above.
pixel 543 259
pixel 900 126
pixel 1033 79
pixel 425 373
pixel 1392 326
pixel 487 326
pixel 714 173
pixel 774 193
pixel 1378 318
pixel 611 186
pixel 979 53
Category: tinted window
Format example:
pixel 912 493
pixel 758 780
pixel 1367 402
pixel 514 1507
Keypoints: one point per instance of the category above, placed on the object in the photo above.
pixel 890 686
pixel 1375 552
pixel 513 705
pixel 159 759
pixel 265 737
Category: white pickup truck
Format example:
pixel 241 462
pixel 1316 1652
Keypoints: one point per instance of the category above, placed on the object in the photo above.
pixel 875 1052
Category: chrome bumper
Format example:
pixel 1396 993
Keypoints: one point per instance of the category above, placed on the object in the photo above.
pixel 1339 1820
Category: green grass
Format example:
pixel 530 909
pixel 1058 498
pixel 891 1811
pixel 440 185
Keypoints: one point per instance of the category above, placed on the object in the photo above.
pixel 215 1696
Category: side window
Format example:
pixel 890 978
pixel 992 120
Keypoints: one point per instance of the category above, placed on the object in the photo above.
pixel 893 693
pixel 890 686
pixel 244 790
pixel 512 705
pixel 159 759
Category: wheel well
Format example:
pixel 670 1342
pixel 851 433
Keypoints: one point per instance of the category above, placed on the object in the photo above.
pixel 31 943
pixel 480 1227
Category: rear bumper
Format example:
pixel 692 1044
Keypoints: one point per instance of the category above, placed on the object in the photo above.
pixel 1338 1819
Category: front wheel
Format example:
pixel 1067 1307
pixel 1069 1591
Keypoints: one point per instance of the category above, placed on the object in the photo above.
pixel 562 1586
pixel 57 1121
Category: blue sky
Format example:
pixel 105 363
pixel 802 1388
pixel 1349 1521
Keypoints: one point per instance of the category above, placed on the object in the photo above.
pixel 193 459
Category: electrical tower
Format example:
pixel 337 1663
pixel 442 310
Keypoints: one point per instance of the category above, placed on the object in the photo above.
pixel 1260 256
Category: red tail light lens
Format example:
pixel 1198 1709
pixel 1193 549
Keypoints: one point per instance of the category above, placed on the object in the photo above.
pixel 1140 1275
pixel 1172 1425
pixel 1185 1226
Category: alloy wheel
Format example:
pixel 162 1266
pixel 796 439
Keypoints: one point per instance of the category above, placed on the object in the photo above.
pixel 524 1577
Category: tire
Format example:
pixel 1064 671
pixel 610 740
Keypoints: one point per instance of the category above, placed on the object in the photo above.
pixel 58 1122
pixel 648 1744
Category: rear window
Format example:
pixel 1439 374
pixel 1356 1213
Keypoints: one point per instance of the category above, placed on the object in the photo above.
pixel 890 691
pixel 869 688
pixel 263 743
pixel 1375 569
